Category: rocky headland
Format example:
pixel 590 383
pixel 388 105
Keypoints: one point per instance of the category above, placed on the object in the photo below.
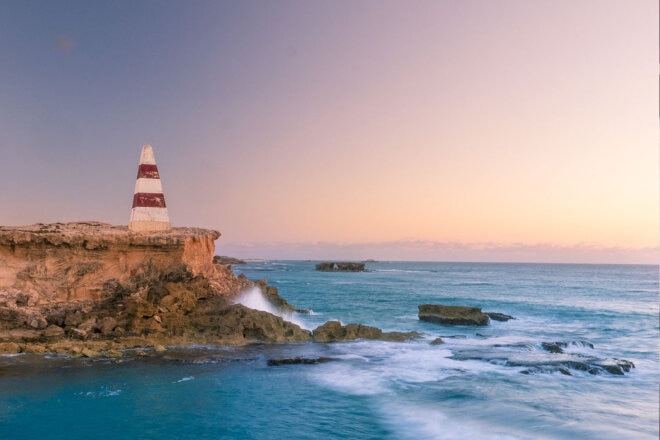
pixel 94 289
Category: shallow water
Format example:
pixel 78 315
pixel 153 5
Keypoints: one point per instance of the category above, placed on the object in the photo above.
pixel 495 382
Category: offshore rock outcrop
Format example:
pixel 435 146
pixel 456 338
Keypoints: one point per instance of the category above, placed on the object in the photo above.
pixel 340 266
pixel 453 315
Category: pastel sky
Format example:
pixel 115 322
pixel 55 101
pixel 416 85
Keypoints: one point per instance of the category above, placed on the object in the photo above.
pixel 476 130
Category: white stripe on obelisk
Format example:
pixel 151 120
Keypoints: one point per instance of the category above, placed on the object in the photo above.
pixel 143 185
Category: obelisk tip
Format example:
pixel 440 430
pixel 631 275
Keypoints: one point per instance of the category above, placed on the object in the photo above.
pixel 147 155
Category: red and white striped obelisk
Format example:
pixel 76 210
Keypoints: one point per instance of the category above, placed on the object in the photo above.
pixel 149 212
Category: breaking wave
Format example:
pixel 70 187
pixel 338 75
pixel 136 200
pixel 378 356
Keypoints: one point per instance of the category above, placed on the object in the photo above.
pixel 255 299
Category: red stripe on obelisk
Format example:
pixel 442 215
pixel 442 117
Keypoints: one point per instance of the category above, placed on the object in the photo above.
pixel 149 200
pixel 148 171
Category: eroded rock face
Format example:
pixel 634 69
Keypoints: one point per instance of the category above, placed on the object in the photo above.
pixel 453 315
pixel 61 262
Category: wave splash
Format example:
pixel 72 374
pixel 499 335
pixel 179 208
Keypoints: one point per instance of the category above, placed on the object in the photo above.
pixel 255 299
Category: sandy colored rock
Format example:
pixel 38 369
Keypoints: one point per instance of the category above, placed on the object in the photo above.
pixel 106 325
pixel 9 348
pixel 53 332
pixel 89 353
pixel 34 348
pixel 333 331
pixel 71 261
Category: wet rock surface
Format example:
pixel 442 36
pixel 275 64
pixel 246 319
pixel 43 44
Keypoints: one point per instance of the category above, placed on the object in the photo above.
pixel 272 295
pixel 452 315
pixel 575 357
pixel 333 331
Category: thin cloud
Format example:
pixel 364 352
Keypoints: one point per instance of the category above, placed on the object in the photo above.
pixel 421 250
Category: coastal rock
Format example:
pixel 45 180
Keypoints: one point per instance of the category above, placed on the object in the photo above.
pixel 558 347
pixel 237 325
pixel 453 315
pixel 340 266
pixel 9 348
pixel 333 331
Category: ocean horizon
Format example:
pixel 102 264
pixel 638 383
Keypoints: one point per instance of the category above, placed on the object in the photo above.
pixel 549 373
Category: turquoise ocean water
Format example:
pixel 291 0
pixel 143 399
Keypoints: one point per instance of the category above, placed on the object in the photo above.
pixel 495 382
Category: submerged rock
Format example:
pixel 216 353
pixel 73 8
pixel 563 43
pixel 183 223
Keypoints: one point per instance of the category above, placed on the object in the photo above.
pixel 558 347
pixel 297 361
pixel 452 315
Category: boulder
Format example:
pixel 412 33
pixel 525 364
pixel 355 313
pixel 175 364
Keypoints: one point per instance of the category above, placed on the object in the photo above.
pixel 453 315
pixel 9 348
pixel 53 332
pixel 106 325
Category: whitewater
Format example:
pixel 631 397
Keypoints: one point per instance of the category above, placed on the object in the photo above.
pixel 542 375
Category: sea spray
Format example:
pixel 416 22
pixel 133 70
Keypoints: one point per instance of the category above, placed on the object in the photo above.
pixel 255 299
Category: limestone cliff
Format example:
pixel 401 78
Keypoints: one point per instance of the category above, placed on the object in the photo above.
pixel 71 261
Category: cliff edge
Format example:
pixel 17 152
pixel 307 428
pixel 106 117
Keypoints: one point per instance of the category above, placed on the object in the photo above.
pixel 70 261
